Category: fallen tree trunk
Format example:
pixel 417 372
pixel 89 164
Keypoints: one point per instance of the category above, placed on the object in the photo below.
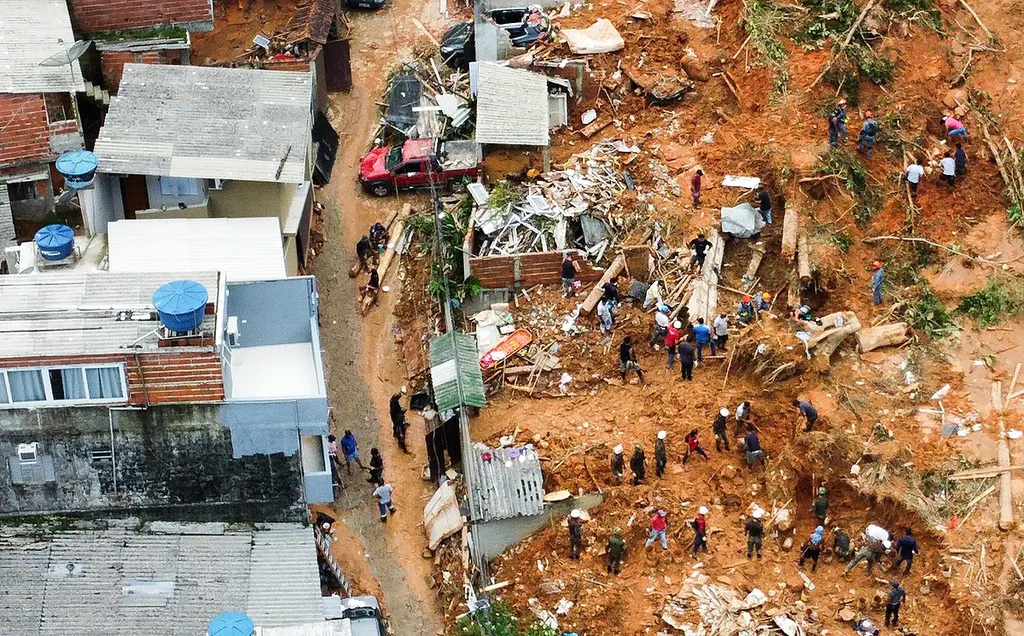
pixel 824 345
pixel 406 211
pixel 595 294
pixel 790 228
pixel 871 338
pixel 755 262
pixel 703 301
pixel 803 258
pixel 385 262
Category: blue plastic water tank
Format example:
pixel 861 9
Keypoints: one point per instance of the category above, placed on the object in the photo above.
pixel 231 624
pixel 55 242
pixel 78 168
pixel 181 304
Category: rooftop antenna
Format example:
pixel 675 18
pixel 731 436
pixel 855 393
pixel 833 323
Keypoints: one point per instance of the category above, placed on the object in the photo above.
pixel 68 56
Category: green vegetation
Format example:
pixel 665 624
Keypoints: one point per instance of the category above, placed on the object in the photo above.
pixel 454 222
pixel 928 314
pixel 499 620
pixel 843 240
pixel 765 22
pixel 999 299
pixel 879 70
pixel 828 20
pixel 924 10
pixel 854 176
pixel 501 195
pixel 147 33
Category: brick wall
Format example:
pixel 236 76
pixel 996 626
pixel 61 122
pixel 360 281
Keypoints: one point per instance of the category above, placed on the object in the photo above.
pixel 171 377
pixel 527 270
pixel 94 16
pixel 112 63
pixel 26 135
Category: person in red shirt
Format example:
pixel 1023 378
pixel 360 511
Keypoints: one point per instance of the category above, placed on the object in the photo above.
pixel 695 187
pixel 672 341
pixel 700 529
pixel 658 527
pixel 693 445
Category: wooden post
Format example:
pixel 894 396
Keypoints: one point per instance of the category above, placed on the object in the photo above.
pixel 803 258
pixel 790 228
pixel 595 294
pixel 755 262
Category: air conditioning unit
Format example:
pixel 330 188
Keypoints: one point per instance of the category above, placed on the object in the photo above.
pixel 28 453
pixel 232 331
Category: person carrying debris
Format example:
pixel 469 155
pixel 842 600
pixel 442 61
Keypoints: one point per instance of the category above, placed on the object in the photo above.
pixel 876 282
pixel 702 336
pixel 569 269
pixel 906 548
pixel 755 533
pixel 658 527
pixel 811 549
pixel 653 295
pixel 719 428
pixel 914 172
pixel 948 165
pixel 382 493
pixel 638 464
pixel 700 530
pixel 960 157
pixel 350 448
pixel 877 544
pixel 618 464
pixel 745 312
pixel 365 252
pixel 954 127
pixel 398 424
pixel 575 533
pixel 661 454
pixel 808 412
pixel 616 549
pixel 752 444
pixel 698 248
pixel 892 608
pixel 605 317
pixel 841 543
pixel 686 362
pixel 721 325
pixel 868 132
pixel 692 440
pixel 820 506
pixel 627 360
pixel 672 343
pixel 372 287
pixel 764 203
pixel 695 187
pixel 661 321
pixel 376 467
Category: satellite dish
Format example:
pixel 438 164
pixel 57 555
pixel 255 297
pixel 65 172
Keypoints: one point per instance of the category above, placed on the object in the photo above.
pixel 67 195
pixel 68 55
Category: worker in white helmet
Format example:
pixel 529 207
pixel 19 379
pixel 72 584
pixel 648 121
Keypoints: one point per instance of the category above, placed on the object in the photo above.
pixel 660 454
pixel 575 533
pixel 618 464
pixel 755 533
pixel 719 429
pixel 700 529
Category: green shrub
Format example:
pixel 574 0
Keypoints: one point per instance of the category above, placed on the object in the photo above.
pixel 990 305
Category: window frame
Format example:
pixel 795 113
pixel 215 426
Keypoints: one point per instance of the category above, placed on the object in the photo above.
pixel 50 401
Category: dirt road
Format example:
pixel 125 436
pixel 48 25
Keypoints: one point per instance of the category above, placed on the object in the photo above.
pixel 359 355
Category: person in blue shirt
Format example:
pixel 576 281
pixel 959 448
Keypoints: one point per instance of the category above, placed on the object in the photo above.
pixel 876 282
pixel 906 548
pixel 960 160
pixel 351 451
pixel 892 609
pixel 807 411
pixel 702 336
pixel 745 312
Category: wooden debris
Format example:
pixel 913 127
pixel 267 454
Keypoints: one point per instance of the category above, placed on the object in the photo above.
pixel 595 294
pixel 750 276
pixel 803 254
pixel 790 228
pixel 871 338
pixel 595 127
pixel 846 41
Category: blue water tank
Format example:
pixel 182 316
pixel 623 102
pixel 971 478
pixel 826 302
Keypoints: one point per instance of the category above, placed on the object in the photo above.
pixel 78 168
pixel 231 624
pixel 55 242
pixel 181 305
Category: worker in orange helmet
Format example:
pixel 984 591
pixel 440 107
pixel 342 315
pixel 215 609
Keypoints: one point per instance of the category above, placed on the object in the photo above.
pixel 868 132
pixel 876 282
pixel 746 310
pixel 765 302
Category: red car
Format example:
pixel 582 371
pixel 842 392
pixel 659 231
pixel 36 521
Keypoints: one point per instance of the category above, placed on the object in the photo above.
pixel 417 163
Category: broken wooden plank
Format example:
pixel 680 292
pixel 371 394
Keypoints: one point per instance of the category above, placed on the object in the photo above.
pixel 595 294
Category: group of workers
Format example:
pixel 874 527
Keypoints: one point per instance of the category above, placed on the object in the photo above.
pixel 368 251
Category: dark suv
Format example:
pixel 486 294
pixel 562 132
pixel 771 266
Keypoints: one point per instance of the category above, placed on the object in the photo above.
pixel 458 46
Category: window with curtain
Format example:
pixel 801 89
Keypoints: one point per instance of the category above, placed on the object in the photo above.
pixel 104 383
pixel 179 186
pixel 67 384
pixel 3 391
pixel 27 386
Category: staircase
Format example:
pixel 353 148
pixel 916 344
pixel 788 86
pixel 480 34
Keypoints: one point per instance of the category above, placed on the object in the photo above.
pixel 97 93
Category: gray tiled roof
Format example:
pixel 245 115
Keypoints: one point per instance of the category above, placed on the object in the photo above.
pixel 29 34
pixel 511 106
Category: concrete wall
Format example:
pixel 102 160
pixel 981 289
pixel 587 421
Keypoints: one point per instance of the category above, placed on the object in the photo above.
pixel 251 198
pixel 527 270
pixel 172 461
pixel 494 537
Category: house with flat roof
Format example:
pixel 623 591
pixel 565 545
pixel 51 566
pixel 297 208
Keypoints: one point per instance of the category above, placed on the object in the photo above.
pixel 39 78
pixel 204 142
pixel 161 391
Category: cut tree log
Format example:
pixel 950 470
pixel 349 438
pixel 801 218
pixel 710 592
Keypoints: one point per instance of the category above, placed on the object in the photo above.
pixel 595 294
pixel 983 473
pixel 824 345
pixel 385 262
pixel 977 19
pixel 803 257
pixel 750 276
pixel 790 228
pixel 871 338
pixel 703 301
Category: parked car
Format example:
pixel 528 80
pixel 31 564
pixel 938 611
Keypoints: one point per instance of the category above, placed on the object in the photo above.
pixel 362 613
pixel 458 44
pixel 418 162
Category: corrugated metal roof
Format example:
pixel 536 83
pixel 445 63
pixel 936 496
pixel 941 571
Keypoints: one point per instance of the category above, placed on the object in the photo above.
pixel 244 249
pixel 511 106
pixel 75 313
pixel 8 237
pixel 208 123
pixel 443 371
pixel 32 31
pixel 168 581
pixel 510 484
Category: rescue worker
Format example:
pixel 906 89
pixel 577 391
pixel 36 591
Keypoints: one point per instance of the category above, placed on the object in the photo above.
pixel 744 418
pixel 764 203
pixel 721 328
pixel 661 323
pixel 672 343
pixel 658 527
pixel 695 182
pixel 954 127
pixel 569 269
pixel 575 534
pixel 876 544
pixel 379 236
pixel 820 506
pixel 755 533
pixel 868 132
pixel 702 336
pixel 700 530
pixel 693 446
pixel 719 429
pixel 892 608
pixel 618 464
pixel 838 116
pixel 745 312
pixel 811 549
pixel 372 287
pixel 906 548
pixel 808 412
pixel 913 174
pixel 638 464
pixel 605 315
pixel 960 159
pixel 764 303
pixel 365 252
pixel 616 549
pixel 660 454
pixel 627 360
pixel 753 448
pixel 841 543
pixel 653 294
pixel 686 362
pixel 876 282
pixel 948 165
pixel 376 467
pixel 699 247
pixel 398 424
